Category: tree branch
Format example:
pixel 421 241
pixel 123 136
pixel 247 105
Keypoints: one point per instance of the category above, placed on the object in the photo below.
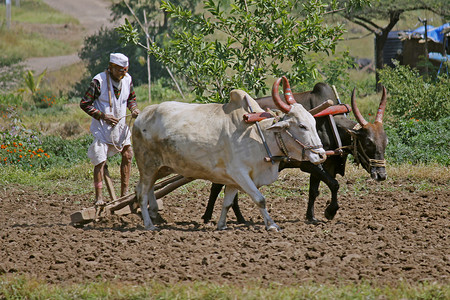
pixel 363 19
pixel 363 25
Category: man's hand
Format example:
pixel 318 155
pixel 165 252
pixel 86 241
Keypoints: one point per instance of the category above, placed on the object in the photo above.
pixel 135 113
pixel 111 120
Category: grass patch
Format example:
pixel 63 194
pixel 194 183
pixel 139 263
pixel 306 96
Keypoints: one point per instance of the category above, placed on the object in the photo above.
pixel 17 42
pixel 30 22
pixel 64 79
pixel 37 12
pixel 19 287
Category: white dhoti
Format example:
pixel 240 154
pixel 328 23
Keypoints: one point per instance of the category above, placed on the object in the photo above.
pixel 98 151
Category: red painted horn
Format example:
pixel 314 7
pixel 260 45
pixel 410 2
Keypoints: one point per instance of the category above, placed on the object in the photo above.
pixel 288 96
pixel 356 112
pixel 284 107
pixel 382 107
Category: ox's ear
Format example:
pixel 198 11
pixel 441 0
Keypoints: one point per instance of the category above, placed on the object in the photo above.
pixel 351 132
pixel 355 130
pixel 279 125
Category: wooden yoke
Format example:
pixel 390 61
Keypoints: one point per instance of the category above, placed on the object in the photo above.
pixel 334 110
pixel 324 109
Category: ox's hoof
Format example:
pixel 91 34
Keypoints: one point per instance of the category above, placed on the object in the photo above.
pixel 151 228
pixel 274 227
pixel 330 212
pixel 222 227
pixel 158 219
pixel 206 219
pixel 241 220
pixel 312 221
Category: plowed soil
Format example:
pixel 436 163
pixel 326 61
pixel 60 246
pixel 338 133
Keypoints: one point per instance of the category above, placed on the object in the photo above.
pixel 384 233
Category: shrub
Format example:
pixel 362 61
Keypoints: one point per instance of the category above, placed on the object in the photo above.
pixel 412 96
pixel 67 152
pixel 11 72
pixel 22 150
pixel 8 104
pixel 336 73
pixel 30 150
pixel 34 152
pixel 419 141
pixel 44 99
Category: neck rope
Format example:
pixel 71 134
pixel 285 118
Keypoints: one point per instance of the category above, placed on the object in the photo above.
pixel 283 148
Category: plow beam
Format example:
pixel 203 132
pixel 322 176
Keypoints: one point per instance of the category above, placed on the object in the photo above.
pixel 126 204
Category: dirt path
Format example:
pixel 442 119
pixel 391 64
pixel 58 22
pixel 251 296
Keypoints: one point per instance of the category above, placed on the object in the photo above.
pixel 92 14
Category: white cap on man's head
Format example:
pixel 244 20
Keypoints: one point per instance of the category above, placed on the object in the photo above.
pixel 118 59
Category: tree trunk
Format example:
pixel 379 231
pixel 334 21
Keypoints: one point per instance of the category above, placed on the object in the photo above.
pixel 378 61
pixel 380 41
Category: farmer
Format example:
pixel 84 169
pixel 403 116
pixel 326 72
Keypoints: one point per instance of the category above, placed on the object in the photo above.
pixel 106 101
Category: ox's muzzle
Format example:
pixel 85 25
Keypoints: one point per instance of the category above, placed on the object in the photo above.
pixel 378 174
pixel 318 156
pixel 377 169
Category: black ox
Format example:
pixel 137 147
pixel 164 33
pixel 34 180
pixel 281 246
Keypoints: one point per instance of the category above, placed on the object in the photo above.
pixel 365 141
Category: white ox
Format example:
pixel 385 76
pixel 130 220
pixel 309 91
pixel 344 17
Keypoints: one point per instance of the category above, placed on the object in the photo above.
pixel 212 142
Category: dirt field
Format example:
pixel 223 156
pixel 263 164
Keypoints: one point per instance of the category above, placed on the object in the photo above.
pixel 379 234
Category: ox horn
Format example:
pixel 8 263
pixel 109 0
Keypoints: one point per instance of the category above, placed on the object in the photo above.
pixel 356 111
pixel 287 92
pixel 382 107
pixel 284 107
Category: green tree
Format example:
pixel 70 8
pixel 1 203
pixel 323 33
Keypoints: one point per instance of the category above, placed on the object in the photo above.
pixel 241 45
pixel 374 18
pixel 95 53
pixel 158 21
pixel 96 48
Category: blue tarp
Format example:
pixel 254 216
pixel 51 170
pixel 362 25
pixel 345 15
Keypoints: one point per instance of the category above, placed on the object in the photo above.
pixel 434 33
pixel 438 56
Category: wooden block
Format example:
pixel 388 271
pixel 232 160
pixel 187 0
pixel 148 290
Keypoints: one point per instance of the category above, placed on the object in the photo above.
pixel 123 211
pixel 87 214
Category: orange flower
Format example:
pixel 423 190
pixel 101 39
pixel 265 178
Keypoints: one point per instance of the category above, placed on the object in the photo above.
pixel 20 156
pixel 20 144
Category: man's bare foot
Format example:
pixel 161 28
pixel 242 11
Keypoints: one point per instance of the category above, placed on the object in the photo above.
pixel 100 202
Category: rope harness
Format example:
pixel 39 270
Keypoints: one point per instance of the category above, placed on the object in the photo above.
pixel 362 158
pixel 356 149
pixel 283 148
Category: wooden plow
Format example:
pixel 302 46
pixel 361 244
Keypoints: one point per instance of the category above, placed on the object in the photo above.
pixel 126 204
